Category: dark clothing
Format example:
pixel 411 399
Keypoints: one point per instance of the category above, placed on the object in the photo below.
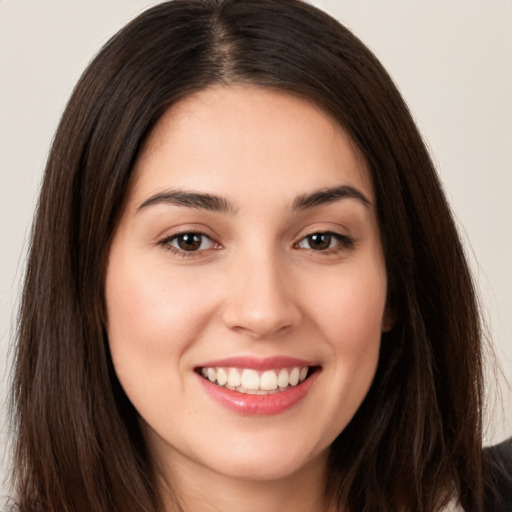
pixel 500 459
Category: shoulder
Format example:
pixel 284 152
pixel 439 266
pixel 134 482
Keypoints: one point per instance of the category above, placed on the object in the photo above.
pixel 499 460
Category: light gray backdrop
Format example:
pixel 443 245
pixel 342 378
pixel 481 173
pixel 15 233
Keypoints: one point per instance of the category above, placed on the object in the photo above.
pixel 451 60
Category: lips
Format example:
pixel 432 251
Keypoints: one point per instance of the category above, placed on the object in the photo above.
pixel 254 386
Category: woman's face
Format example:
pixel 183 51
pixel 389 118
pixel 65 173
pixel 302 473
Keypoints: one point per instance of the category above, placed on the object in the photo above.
pixel 249 255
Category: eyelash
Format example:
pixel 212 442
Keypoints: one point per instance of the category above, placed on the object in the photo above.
pixel 166 244
pixel 343 243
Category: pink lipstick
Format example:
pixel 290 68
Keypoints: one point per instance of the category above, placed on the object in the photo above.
pixel 253 386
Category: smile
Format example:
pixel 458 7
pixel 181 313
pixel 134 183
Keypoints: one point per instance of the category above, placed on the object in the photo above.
pixel 250 386
pixel 253 382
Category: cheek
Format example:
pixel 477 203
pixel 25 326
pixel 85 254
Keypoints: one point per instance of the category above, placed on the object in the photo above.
pixel 350 308
pixel 153 317
pixel 349 313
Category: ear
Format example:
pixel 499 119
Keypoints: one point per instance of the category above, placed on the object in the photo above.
pixel 388 319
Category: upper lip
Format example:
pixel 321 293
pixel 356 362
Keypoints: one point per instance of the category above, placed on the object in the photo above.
pixel 255 363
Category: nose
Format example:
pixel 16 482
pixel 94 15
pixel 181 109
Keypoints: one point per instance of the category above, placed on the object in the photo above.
pixel 260 301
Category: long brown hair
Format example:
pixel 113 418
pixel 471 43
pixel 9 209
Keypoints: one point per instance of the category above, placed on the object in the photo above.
pixel 415 440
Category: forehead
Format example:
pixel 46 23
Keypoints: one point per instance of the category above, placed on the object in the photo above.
pixel 245 139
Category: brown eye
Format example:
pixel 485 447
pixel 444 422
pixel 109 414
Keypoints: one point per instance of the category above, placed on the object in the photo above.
pixel 188 242
pixel 325 241
pixel 320 241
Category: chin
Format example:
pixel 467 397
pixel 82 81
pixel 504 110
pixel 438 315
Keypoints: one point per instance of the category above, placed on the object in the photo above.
pixel 266 455
pixel 266 466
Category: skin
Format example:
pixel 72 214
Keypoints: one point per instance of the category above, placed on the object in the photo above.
pixel 256 286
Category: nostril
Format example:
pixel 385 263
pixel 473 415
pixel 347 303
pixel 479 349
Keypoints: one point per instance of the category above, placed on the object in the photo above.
pixel 261 322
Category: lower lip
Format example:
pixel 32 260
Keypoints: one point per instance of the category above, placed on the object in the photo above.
pixel 261 405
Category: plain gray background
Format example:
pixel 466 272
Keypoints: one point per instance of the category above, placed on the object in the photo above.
pixel 452 60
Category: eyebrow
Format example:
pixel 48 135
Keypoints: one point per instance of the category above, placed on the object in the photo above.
pixel 197 200
pixel 213 203
pixel 329 195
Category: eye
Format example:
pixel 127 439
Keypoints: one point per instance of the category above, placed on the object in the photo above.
pixel 325 241
pixel 188 242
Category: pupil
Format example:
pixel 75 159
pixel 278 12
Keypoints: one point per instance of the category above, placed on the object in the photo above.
pixel 320 241
pixel 189 242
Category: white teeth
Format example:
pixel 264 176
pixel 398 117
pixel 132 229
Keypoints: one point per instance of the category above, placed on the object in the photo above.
pixel 294 376
pixel 222 376
pixel 283 378
pixel 250 379
pixel 234 379
pixel 254 382
pixel 268 380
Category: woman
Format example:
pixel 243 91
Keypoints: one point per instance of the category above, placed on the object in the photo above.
pixel 245 288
